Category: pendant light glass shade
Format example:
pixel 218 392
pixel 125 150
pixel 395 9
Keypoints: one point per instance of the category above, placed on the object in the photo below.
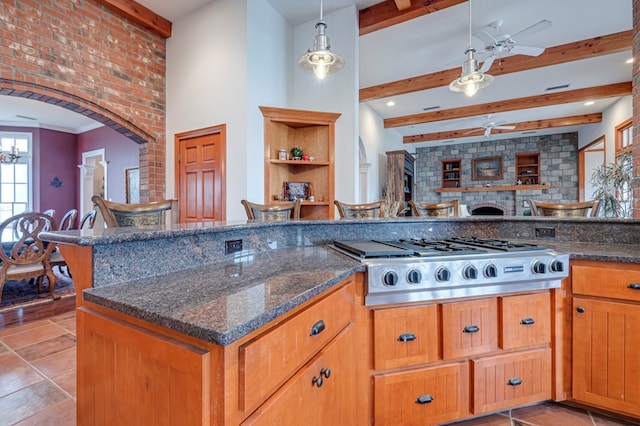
pixel 471 79
pixel 319 60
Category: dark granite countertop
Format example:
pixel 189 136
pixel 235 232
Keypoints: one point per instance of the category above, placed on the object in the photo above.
pixel 224 301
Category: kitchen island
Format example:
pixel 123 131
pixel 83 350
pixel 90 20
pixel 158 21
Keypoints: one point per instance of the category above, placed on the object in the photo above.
pixel 187 324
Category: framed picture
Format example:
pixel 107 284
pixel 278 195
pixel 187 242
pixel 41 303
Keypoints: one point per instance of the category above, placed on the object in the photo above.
pixel 297 191
pixel 486 168
pixel 132 184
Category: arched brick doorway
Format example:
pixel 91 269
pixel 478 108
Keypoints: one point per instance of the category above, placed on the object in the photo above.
pixel 151 154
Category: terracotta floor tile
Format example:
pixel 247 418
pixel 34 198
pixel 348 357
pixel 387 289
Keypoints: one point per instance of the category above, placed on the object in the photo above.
pixel 68 383
pixel 57 365
pixel 29 401
pixel 62 414
pixel 550 414
pixel 15 374
pixel 47 347
pixel 602 420
pixel 15 329
pixel 491 420
pixel 64 316
pixel 32 335
pixel 3 348
pixel 68 324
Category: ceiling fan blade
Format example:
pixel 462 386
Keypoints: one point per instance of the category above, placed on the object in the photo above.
pixel 527 50
pixel 538 26
pixel 487 132
pixel 485 37
pixel 486 65
pixel 504 127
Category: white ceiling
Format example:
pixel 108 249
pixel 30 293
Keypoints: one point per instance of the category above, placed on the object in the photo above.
pixel 427 44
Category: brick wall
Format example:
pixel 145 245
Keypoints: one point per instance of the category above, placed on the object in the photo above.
pixel 558 168
pixel 83 57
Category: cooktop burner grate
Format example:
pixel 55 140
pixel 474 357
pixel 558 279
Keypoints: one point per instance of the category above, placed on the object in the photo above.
pixel 502 245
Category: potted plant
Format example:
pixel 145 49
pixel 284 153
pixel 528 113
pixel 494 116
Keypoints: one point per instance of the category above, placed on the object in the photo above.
pixel 612 184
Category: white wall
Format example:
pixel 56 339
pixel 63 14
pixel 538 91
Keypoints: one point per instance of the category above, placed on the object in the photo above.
pixel 620 111
pixel 336 93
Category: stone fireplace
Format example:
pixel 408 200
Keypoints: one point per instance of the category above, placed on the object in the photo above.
pixel 489 209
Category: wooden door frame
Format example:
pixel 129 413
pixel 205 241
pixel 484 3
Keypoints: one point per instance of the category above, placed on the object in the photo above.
pixel 581 163
pixel 179 137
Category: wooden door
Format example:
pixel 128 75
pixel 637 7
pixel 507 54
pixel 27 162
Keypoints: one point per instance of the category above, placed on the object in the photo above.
pixel 200 174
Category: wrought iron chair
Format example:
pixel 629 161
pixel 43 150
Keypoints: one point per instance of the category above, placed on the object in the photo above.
pixel 29 255
pixel 585 208
pixel 443 209
pixel 271 212
pixel 358 211
pixel 139 215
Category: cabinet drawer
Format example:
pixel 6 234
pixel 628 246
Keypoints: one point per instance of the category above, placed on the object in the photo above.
pixel 405 336
pixel 469 328
pixel 606 282
pixel 422 397
pixel 268 360
pixel 526 320
pixel 505 381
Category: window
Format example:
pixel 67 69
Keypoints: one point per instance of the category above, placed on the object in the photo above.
pixel 15 179
pixel 624 138
pixel 624 143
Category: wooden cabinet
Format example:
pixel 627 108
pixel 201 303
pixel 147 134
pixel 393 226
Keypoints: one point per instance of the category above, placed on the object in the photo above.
pixel 528 168
pixel 451 359
pixel 451 173
pixel 314 133
pixel 606 335
pixel 400 178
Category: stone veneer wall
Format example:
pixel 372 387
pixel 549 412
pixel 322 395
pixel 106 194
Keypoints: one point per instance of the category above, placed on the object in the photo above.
pixel 558 168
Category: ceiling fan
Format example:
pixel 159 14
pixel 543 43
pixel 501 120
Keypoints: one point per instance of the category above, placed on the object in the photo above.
pixel 497 44
pixel 489 125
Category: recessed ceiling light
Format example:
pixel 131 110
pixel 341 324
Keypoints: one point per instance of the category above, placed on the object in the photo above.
pixel 629 61
pixel 589 103
pixel 390 103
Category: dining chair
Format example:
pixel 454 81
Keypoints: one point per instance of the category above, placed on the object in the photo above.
pixel 66 224
pixel 136 215
pixel 28 257
pixel 443 209
pixel 88 220
pixel 272 212
pixel 585 208
pixel 358 211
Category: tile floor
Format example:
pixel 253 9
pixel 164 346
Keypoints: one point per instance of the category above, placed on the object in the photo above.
pixel 38 387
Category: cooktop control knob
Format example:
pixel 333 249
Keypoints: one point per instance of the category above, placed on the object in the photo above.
pixel 556 266
pixel 443 274
pixel 538 267
pixel 414 276
pixel 470 272
pixel 490 271
pixel 390 279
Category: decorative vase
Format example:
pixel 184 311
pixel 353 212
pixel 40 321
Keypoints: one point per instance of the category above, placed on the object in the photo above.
pixel 296 153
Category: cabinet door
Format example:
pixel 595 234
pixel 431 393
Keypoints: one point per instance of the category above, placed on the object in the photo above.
pixel 321 393
pixel 606 338
pixel 526 320
pixel 421 397
pixel 505 381
pixel 405 336
pixel 469 328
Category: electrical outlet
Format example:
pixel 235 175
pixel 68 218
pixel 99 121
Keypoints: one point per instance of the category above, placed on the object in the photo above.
pixel 546 232
pixel 232 246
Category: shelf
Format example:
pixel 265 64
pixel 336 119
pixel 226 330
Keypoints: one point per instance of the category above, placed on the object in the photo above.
pixel 300 162
pixel 494 188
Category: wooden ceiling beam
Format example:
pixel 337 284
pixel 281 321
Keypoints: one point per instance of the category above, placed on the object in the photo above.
pixel 575 120
pixel 387 13
pixel 140 15
pixel 402 4
pixel 557 98
pixel 576 51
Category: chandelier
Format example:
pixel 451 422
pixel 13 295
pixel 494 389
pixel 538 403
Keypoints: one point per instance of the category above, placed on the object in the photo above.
pixel 11 157
pixel 319 60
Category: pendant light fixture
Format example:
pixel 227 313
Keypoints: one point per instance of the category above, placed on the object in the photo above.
pixel 320 60
pixel 471 79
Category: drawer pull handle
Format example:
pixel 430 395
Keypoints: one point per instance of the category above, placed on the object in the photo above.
pixel 580 310
pixel 317 328
pixel 317 381
pixel 471 329
pixel 424 399
pixel 326 372
pixel 514 381
pixel 634 286
pixel 406 337
pixel 527 321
